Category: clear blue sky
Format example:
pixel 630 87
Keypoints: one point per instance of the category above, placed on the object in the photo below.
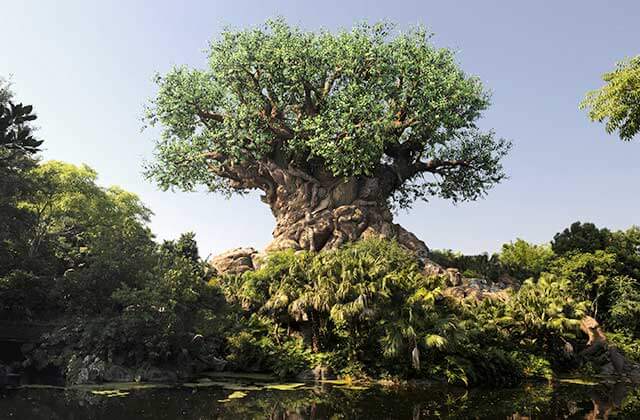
pixel 87 68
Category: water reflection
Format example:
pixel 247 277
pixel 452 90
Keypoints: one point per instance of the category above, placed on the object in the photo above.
pixel 328 402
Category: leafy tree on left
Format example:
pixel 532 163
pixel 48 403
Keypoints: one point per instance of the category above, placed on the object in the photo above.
pixel 17 146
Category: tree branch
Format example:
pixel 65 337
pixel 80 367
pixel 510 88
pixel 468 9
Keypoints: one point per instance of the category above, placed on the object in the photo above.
pixel 309 107
pixel 436 165
pixel 210 116
pixel 330 80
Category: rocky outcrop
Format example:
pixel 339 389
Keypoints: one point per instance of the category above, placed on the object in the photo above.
pixel 609 357
pixel 92 370
pixel 236 261
pixel 85 370
pixel 474 288
pixel 4 375
pixel 319 373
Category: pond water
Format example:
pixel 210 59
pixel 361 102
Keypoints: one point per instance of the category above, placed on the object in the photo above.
pixel 211 400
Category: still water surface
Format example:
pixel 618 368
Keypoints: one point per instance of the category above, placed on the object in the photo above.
pixel 207 401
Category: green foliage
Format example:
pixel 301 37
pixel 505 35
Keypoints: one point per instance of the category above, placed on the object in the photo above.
pixel 17 145
pixel 343 102
pixel 618 101
pixel 629 345
pixel 259 346
pixel 523 260
pixel 174 315
pixel 368 300
pixel 90 239
pixel 24 295
pixel 626 246
pixel 16 132
pixel 624 305
pixel 72 211
pixel 608 279
pixel 478 266
pixel 580 237
pixel 82 255
pixel 169 315
pixel 5 91
pixel 185 247
pixel 366 309
pixel 589 273
pixel 545 309
pixel 504 341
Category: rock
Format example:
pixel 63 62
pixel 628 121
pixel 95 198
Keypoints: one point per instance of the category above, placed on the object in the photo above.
pixel 454 277
pixel 154 374
pixel 599 349
pixel 608 369
pixel 507 281
pixel 476 289
pixel 319 373
pixel 4 375
pixel 597 339
pixel 306 376
pixel 258 260
pixel 116 373
pixel 324 372
pixel 281 244
pixel 216 364
pixel 617 359
pixel 234 261
pixel 87 370
pixel 210 363
pixel 431 269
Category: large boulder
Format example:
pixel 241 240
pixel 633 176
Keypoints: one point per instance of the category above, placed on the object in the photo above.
pixel 117 373
pixel 319 373
pixel 154 374
pixel 235 261
pixel 84 370
pixel 4 374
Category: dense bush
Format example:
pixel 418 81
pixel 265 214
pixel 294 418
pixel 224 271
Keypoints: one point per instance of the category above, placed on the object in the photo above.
pixel 82 256
pixel 176 314
pixel 523 260
pixel 366 309
pixel 367 301
pixel 479 266
pixel 23 295
pixel 580 237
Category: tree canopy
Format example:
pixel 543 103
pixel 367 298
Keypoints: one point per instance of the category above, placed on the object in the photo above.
pixel 16 132
pixel 618 101
pixel 580 237
pixel 361 103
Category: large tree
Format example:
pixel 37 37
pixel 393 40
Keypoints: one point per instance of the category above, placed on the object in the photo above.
pixel 336 129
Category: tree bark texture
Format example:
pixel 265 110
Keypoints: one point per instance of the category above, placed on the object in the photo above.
pixel 316 211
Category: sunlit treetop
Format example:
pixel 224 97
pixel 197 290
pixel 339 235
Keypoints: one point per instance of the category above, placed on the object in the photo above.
pixel 369 102
pixel 618 101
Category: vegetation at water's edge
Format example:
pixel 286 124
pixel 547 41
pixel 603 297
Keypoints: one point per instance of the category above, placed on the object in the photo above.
pixel 81 258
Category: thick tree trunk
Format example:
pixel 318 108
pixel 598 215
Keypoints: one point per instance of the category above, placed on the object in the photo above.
pixel 315 210
pixel 315 215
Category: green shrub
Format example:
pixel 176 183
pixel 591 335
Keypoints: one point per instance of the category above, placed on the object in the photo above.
pixel 366 309
pixel 580 237
pixel 257 347
pixel 471 266
pixel 523 260
pixel 23 296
